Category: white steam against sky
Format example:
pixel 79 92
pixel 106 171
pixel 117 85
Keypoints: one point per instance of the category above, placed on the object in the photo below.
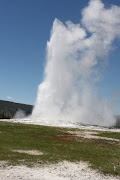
pixel 75 57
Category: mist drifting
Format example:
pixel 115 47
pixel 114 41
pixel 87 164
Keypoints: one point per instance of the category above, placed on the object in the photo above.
pixel 75 57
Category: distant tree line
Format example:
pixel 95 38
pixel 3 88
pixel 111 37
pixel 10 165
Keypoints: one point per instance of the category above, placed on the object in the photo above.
pixel 8 109
pixel 4 115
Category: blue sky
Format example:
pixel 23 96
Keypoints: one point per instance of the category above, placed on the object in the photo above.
pixel 24 30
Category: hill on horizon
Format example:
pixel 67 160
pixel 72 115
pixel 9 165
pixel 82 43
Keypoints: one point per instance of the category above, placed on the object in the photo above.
pixel 8 109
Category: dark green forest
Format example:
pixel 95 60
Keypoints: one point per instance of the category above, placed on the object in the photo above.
pixel 8 109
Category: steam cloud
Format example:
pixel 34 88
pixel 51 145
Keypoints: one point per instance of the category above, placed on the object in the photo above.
pixel 19 114
pixel 75 57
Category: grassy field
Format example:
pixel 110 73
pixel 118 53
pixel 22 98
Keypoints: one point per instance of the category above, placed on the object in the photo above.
pixel 115 135
pixel 57 145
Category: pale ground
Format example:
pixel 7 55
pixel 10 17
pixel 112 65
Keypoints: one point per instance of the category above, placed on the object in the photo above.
pixel 35 152
pixel 91 135
pixel 63 170
pixel 60 123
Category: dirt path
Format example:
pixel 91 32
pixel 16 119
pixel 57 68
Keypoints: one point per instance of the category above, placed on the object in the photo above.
pixel 91 135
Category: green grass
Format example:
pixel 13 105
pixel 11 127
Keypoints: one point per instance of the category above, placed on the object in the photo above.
pixel 115 135
pixel 57 145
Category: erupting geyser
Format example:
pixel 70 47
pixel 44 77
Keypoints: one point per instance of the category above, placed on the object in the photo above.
pixel 75 53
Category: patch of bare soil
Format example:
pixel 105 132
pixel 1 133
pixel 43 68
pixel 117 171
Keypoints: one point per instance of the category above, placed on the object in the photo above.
pixel 61 171
pixel 91 135
pixel 31 152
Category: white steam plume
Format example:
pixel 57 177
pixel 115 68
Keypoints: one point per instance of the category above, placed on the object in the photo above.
pixel 19 114
pixel 74 56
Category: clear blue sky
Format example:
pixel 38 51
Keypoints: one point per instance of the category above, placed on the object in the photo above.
pixel 24 30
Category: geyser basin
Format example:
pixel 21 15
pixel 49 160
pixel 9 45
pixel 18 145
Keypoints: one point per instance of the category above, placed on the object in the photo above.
pixel 75 53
